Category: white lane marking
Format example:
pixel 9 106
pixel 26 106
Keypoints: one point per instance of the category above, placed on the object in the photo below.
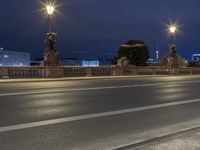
pixel 96 88
pixel 91 116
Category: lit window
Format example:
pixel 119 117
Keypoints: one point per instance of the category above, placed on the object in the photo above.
pixel 5 56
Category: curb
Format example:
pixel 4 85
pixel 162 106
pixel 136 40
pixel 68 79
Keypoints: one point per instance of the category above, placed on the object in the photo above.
pixel 76 78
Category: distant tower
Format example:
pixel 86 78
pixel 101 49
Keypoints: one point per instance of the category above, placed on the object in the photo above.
pixel 157 51
pixel 157 55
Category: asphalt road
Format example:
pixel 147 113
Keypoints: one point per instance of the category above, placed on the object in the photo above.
pixel 95 114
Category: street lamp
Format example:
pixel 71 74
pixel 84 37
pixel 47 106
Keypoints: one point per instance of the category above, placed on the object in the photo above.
pixel 172 29
pixel 50 11
pixel 172 32
pixel 172 58
pixel 51 54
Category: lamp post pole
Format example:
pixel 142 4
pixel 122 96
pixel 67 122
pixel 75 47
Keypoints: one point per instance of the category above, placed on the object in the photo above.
pixel 50 11
pixel 51 54
pixel 172 58
pixel 49 23
pixel 172 30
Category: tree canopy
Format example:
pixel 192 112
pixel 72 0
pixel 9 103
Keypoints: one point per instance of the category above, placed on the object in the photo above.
pixel 181 61
pixel 136 51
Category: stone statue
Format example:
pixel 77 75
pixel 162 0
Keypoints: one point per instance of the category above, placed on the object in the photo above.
pixel 123 62
pixel 124 68
pixel 51 41
pixel 51 54
pixel 172 48
pixel 172 58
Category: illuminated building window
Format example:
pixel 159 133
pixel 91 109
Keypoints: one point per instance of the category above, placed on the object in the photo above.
pixel 5 56
pixel 90 63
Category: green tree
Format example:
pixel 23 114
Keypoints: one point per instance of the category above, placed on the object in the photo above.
pixel 162 61
pixel 181 61
pixel 136 51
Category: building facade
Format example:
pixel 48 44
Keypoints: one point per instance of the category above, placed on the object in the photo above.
pixel 85 62
pixel 14 58
pixel 196 57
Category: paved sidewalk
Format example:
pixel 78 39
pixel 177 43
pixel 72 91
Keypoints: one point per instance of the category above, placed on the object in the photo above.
pixel 76 78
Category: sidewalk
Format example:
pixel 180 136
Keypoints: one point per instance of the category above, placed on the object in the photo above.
pixel 75 78
pixel 86 78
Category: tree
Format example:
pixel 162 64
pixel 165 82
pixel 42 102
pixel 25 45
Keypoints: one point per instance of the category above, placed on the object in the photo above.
pixel 136 51
pixel 162 61
pixel 181 61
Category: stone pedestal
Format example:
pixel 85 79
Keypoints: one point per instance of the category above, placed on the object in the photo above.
pixel 51 58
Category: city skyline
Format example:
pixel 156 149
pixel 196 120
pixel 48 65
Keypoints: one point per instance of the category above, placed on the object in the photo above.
pixel 98 28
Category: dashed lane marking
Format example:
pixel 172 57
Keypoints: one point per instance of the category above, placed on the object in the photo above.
pixel 95 88
pixel 95 115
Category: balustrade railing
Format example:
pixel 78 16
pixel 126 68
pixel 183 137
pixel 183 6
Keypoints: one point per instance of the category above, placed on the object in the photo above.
pixel 51 72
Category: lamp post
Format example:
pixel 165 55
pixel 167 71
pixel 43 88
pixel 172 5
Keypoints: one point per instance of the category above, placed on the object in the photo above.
pixel 172 58
pixel 51 54
pixel 50 11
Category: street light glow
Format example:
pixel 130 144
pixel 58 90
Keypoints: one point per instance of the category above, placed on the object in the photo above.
pixel 172 29
pixel 50 9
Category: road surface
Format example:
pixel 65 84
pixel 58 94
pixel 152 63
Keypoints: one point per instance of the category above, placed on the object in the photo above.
pixel 118 113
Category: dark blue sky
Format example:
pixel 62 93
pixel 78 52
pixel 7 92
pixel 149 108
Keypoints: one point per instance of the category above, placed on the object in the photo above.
pixel 98 27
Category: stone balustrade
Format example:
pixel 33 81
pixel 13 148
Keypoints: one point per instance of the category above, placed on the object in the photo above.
pixel 53 72
pixel 56 72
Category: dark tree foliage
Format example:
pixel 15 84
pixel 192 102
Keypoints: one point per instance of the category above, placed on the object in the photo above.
pixel 136 51
pixel 181 61
pixel 194 64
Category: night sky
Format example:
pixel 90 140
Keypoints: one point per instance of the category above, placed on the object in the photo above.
pixel 96 28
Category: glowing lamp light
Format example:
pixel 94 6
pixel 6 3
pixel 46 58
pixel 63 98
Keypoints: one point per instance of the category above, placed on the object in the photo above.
pixel 50 9
pixel 172 29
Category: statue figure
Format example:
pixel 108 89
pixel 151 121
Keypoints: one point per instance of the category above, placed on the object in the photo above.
pixel 123 62
pixel 172 48
pixel 51 41
pixel 51 55
pixel 172 58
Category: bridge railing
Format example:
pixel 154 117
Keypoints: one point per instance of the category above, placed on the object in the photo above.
pixel 153 70
pixel 51 72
